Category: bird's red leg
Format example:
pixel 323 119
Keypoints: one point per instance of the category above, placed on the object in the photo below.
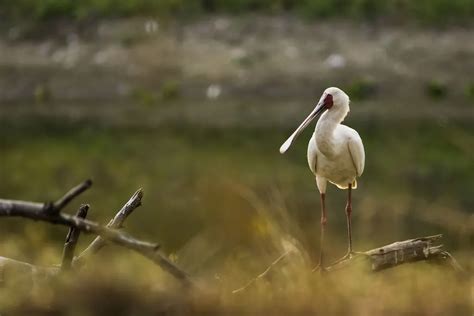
pixel 348 215
pixel 323 227
pixel 350 252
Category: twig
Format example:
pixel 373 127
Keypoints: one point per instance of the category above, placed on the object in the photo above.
pixel 117 222
pixel 37 211
pixel 57 206
pixel 452 262
pixel 261 275
pixel 71 240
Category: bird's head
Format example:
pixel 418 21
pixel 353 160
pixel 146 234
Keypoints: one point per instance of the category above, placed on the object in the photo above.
pixel 333 100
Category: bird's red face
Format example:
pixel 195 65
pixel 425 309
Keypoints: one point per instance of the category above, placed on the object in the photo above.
pixel 328 101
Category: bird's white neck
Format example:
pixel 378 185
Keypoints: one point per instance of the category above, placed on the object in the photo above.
pixel 324 131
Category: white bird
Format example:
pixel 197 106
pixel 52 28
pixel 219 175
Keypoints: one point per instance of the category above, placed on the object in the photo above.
pixel 335 153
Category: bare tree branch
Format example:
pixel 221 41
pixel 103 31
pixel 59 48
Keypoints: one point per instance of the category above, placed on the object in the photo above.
pixel 37 211
pixel 71 240
pixel 117 222
pixel 57 206
pixel 18 207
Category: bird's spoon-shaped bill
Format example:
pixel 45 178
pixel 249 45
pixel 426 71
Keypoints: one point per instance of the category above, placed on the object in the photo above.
pixel 317 110
pixel 287 144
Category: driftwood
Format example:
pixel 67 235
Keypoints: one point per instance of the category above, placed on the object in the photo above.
pixel 385 257
pixel 51 212
pixel 401 252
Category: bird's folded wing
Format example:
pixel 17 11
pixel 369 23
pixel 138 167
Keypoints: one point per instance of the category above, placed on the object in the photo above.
pixel 356 149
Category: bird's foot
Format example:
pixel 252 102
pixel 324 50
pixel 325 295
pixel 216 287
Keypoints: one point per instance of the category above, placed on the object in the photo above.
pixel 319 268
pixel 349 255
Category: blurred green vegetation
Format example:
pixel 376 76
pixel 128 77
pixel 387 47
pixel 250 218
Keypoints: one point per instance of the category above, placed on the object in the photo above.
pixel 431 11
pixel 362 89
pixel 436 89
pixel 470 91
pixel 191 178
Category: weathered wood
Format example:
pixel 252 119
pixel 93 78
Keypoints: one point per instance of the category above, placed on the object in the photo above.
pixel 117 222
pixel 43 212
pixel 401 252
pixel 71 240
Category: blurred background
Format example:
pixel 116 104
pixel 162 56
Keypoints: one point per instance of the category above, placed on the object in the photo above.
pixel 190 100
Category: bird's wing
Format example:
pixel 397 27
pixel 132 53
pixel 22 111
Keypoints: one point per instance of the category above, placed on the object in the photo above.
pixel 356 149
pixel 312 155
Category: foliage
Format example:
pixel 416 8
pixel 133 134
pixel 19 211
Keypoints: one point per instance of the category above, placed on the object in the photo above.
pixel 42 93
pixel 362 89
pixel 470 91
pixel 436 89
pixel 432 11
pixel 143 96
pixel 170 89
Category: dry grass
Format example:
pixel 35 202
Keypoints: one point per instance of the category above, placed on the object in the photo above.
pixel 127 285
pixel 117 282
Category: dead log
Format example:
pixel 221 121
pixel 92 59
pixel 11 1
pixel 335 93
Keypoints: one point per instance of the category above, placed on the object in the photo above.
pixel 401 252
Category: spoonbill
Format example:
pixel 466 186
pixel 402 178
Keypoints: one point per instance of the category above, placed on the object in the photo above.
pixel 335 154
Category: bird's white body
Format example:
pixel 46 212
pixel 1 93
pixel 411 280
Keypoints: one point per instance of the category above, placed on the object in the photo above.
pixel 335 153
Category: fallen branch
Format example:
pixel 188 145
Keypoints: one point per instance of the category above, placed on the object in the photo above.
pixel 50 212
pixel 71 240
pixel 117 222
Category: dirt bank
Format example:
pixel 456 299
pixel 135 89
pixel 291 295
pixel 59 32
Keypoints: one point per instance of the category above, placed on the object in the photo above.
pixel 246 56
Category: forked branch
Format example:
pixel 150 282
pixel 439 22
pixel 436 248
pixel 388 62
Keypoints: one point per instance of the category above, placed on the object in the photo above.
pixel 50 212
pixel 117 222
